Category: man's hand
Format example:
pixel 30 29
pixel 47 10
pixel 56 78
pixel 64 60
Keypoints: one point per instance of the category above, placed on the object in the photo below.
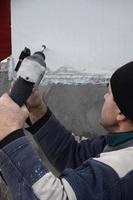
pixel 36 106
pixel 12 117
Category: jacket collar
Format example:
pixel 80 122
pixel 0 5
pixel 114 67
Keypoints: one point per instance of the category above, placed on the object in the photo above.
pixel 114 139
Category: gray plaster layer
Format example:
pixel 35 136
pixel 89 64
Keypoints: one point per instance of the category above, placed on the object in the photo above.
pixel 77 106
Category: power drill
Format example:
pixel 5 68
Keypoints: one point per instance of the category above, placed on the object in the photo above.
pixel 30 71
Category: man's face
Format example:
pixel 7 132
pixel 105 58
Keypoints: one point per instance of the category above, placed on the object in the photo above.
pixel 109 112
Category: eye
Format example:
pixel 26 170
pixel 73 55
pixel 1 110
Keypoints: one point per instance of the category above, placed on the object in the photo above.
pixel 107 85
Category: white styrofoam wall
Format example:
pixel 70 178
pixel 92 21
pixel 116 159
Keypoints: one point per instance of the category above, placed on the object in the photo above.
pixel 93 36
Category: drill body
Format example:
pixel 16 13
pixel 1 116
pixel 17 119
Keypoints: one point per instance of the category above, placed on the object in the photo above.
pixel 29 74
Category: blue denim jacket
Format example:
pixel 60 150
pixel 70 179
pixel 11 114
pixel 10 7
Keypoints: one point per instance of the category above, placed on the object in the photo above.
pixel 106 176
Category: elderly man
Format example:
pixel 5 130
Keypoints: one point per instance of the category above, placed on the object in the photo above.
pixel 99 169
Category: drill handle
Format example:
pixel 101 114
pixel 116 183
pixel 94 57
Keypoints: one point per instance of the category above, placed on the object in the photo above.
pixel 21 91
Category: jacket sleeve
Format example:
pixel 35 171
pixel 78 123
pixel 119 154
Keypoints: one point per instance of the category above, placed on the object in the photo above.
pixel 62 148
pixel 28 178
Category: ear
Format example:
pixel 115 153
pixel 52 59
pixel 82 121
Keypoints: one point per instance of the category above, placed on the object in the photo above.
pixel 121 117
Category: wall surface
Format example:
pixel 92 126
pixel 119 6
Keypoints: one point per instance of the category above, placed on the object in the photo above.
pixel 82 35
pixel 77 106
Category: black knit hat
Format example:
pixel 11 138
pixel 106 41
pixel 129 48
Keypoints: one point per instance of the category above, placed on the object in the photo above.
pixel 122 89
